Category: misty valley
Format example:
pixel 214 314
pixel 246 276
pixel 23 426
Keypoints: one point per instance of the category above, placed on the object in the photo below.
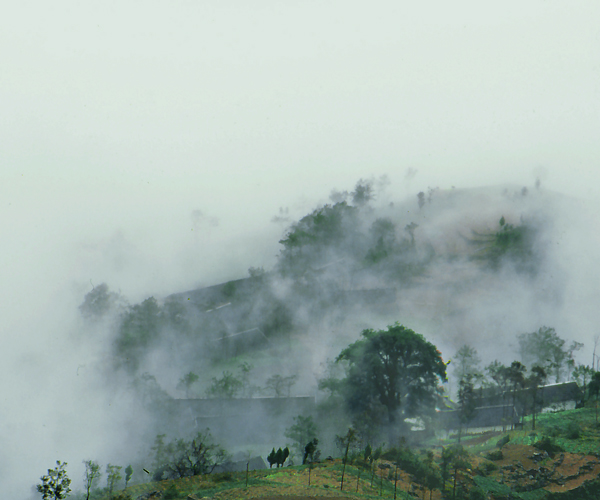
pixel 406 349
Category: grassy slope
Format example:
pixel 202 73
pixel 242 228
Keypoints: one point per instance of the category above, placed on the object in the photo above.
pixel 567 475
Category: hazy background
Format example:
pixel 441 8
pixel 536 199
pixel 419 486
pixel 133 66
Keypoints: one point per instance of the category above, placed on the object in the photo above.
pixel 149 145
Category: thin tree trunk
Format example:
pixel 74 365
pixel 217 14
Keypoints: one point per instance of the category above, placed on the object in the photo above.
pixel 358 480
pixel 373 470
pixel 344 468
pixel 454 487
pixel 395 481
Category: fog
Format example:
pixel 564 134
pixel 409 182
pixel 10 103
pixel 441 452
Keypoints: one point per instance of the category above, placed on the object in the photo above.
pixel 161 148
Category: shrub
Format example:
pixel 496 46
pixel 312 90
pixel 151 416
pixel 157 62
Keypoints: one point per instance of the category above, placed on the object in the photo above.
pixel 171 493
pixel 573 430
pixel 502 441
pixel 477 494
pixel 487 468
pixel 223 477
pixel 126 496
pixel 548 445
pixel 495 455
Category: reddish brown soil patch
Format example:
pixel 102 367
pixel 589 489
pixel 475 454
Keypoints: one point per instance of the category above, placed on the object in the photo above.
pixel 293 497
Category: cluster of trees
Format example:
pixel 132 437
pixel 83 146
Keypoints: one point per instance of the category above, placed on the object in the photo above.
pixel 56 484
pixel 278 457
pixel 237 384
pixel 544 357
pixel 390 375
pixel 511 244
pixel 346 230
pixel 182 458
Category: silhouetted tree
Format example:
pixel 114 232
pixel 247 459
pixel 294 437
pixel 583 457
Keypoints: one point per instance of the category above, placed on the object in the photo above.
pixel 128 474
pixel 310 450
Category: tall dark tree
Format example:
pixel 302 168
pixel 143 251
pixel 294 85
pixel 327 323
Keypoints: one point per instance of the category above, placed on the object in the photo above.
pixel 310 450
pixel 397 369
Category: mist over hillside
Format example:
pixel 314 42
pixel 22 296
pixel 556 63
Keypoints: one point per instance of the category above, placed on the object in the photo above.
pixel 475 266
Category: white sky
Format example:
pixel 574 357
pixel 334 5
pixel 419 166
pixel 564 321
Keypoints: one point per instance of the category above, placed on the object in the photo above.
pixel 119 119
pixel 129 115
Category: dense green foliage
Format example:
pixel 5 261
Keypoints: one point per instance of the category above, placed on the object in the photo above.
pixel 393 372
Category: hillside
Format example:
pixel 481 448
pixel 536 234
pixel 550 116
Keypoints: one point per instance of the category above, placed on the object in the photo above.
pixel 251 357
pixel 559 461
